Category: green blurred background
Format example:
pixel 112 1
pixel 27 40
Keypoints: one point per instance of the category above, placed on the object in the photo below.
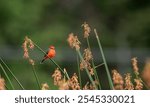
pixel 123 26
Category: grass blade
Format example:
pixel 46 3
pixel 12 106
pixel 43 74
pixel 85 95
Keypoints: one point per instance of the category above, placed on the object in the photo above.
pixel 95 72
pixel 37 79
pixel 79 72
pixel 7 76
pixel 52 61
pixel 12 74
pixel 87 71
pixel 104 60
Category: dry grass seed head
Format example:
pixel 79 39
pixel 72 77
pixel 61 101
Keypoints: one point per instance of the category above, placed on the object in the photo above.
pixel 91 70
pixel 25 49
pixel 28 43
pixel 135 65
pixel 87 29
pixel 128 83
pixel 63 85
pixel 31 61
pixel 31 45
pixel 73 82
pixel 139 85
pixel 87 54
pixel 57 76
pixel 84 64
pixel 88 86
pixel 45 86
pixel 117 80
pixel 2 84
pixel 73 41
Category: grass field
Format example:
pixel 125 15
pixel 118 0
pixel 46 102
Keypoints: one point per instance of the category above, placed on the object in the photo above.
pixel 87 73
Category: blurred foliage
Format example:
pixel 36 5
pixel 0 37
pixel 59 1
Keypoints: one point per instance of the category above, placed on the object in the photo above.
pixel 49 21
pixel 121 22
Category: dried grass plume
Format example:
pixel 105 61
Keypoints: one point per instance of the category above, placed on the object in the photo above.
pixel 117 80
pixel 28 44
pixel 87 29
pixel 45 86
pixel 128 83
pixel 57 76
pixel 139 85
pixel 135 65
pixel 2 83
pixel 73 41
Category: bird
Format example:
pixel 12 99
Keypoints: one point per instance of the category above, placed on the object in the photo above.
pixel 49 54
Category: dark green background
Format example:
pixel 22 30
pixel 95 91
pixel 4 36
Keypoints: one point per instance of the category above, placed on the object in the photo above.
pixel 123 26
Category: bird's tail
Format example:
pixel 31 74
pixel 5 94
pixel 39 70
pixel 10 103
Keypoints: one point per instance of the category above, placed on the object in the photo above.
pixel 42 60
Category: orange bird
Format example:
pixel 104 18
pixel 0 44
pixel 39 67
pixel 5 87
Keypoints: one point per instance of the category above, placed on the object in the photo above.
pixel 49 54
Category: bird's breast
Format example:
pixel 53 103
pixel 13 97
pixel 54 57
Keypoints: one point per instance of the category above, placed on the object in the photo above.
pixel 51 53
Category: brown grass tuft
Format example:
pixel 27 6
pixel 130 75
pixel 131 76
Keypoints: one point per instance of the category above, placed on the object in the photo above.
pixel 57 76
pixel 28 43
pixel 73 41
pixel 63 85
pixel 87 54
pixel 88 86
pixel 2 83
pixel 87 29
pixel 85 63
pixel 135 65
pixel 74 83
pixel 117 80
pixel 139 85
pixel 128 83
pixel 45 86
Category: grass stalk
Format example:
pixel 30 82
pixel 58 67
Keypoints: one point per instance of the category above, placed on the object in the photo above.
pixel 52 61
pixel 12 74
pixel 66 74
pixel 87 71
pixel 6 87
pixel 79 72
pixel 7 76
pixel 95 72
pixel 104 60
pixel 96 76
pixel 99 65
pixel 35 74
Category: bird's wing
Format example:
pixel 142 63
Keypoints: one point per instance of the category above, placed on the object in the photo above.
pixel 46 52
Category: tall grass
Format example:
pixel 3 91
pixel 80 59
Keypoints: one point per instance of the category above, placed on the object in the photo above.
pixel 21 86
pixel 86 64
pixel 104 60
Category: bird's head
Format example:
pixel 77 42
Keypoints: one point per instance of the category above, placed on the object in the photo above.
pixel 52 47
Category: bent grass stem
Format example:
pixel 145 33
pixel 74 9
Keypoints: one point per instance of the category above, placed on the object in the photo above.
pixel 12 74
pixel 65 73
pixel 104 60
pixel 7 76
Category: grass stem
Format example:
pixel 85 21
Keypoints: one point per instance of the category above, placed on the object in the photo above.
pixel 95 72
pixel 87 71
pixel 37 79
pixel 52 61
pixel 12 74
pixel 79 72
pixel 7 76
pixel 104 60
